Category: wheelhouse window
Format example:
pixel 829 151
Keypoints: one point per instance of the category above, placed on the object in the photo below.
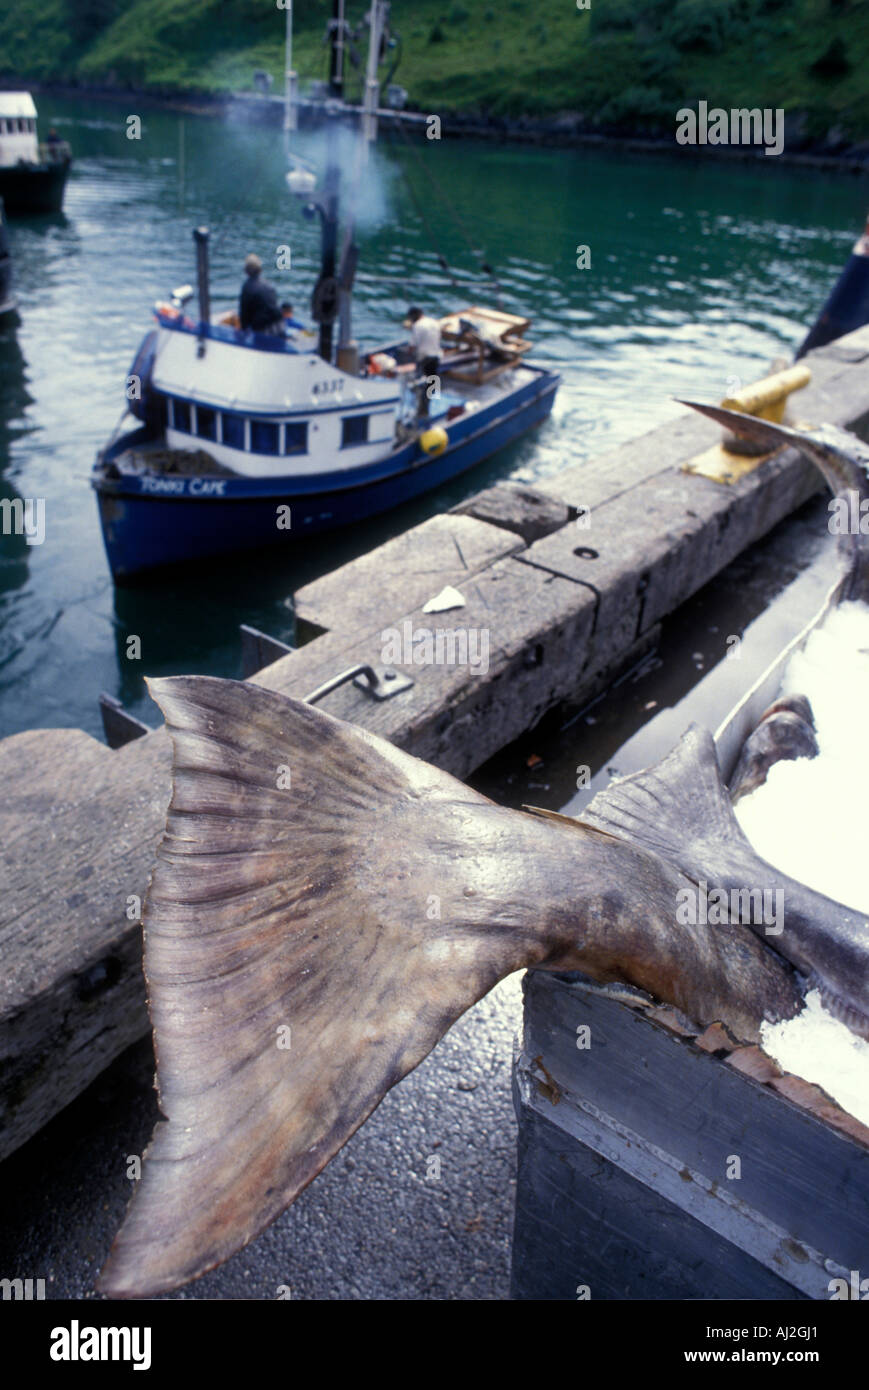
pixel 264 437
pixel 354 430
pixel 296 437
pixel 206 422
pixel 233 430
pixel 181 416
pixel 158 412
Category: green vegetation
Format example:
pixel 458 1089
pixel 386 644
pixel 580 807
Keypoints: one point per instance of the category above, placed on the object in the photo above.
pixel 621 63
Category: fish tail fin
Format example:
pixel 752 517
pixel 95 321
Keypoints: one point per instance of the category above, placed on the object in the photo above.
pixel 766 434
pixel 842 460
pixel 679 809
pixel 297 959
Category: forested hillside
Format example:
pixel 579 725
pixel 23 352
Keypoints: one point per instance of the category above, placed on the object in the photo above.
pixel 620 63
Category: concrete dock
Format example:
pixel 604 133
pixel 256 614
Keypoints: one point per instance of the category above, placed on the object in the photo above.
pixel 562 585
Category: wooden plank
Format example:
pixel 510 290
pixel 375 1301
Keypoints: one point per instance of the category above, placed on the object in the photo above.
pixel 645 552
pixel 402 574
pixel 258 649
pixel 119 727
pixel 76 843
pixel 581 1223
pixel 679 1105
pixel 518 646
pixel 479 377
pixel 507 324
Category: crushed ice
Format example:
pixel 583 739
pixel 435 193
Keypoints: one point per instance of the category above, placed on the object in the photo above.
pixel 810 820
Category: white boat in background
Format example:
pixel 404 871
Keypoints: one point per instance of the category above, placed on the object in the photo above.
pixel 32 174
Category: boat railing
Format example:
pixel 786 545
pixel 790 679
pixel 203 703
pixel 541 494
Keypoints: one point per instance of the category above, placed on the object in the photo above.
pixel 54 152
pixel 169 317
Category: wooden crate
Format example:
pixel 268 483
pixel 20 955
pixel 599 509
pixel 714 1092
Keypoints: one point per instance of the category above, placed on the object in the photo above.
pixel 472 360
pixel 507 325
pixel 624 1153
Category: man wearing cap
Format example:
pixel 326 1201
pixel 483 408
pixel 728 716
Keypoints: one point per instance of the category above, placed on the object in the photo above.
pixel 425 335
pixel 258 306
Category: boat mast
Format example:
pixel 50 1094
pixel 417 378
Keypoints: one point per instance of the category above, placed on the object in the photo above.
pixel 290 121
pixel 347 350
pixel 324 301
pixel 333 291
pixel 200 237
pixel 336 66
pixel 379 18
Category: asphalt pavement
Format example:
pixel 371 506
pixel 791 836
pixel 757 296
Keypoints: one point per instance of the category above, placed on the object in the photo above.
pixel 383 1221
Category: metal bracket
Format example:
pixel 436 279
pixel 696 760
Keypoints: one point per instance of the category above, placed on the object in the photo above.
pixel 119 727
pixel 380 682
pixel 259 650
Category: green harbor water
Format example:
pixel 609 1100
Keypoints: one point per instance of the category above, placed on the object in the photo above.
pixel 700 272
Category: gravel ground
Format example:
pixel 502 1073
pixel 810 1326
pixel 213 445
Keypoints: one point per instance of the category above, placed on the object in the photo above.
pixel 372 1226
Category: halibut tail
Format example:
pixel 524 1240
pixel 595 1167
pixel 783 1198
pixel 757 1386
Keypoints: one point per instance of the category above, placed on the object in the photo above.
pixel 323 907
pixel 294 962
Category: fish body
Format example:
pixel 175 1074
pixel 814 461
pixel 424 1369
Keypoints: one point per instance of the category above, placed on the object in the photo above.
pixel 324 906
pixel 784 732
pixel 696 830
pixel 318 886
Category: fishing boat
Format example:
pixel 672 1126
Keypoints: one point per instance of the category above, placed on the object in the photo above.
pixel 32 174
pixel 239 440
pixel 8 302
pixel 235 440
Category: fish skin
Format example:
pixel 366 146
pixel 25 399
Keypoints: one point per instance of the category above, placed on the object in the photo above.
pixel 312 907
pixel 793 704
pixel 680 810
pixel 829 944
pixel 785 731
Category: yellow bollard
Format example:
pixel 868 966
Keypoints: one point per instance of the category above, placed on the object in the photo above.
pixel 767 399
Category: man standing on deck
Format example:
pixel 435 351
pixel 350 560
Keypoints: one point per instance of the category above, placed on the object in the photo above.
pixel 258 306
pixel 425 335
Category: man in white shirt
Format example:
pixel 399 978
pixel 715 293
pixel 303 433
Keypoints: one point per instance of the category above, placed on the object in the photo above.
pixel 425 335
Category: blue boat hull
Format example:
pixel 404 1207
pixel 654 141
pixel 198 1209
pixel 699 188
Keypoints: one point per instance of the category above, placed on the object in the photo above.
pixel 202 518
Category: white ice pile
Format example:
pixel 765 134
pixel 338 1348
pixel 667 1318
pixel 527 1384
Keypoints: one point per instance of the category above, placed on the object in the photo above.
pixel 819 1048
pixel 810 819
